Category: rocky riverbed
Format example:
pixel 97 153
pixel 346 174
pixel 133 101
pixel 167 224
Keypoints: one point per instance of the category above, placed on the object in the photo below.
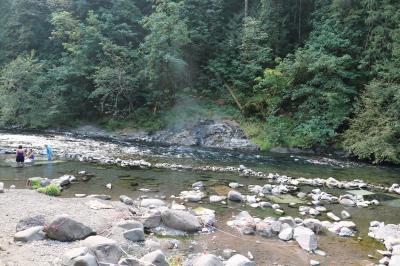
pixel 265 218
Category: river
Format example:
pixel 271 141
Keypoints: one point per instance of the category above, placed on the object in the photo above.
pixel 165 183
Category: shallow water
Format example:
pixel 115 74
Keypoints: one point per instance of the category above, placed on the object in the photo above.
pixel 167 183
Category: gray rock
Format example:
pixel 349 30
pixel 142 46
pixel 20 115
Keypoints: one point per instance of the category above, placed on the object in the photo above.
pixel 152 203
pixel 245 223
pixel 157 258
pixel 264 229
pixel 37 220
pixel 216 198
pixel 30 234
pixel 79 257
pixel 313 224
pixel 347 202
pixel 234 195
pixel 1 187
pixel 125 199
pixel 101 196
pixel 151 218
pixel 332 216
pixel 136 234
pixel 64 228
pixel 306 238
pixel 106 250
pixel 286 234
pixel 180 220
pixel 314 263
pixel 130 224
pixel 207 260
pixel 345 214
pixel 198 185
pixel 239 260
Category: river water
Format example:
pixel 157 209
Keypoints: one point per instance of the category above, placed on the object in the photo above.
pixel 347 251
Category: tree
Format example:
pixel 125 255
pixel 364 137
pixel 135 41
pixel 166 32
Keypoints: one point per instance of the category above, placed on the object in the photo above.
pixel 164 66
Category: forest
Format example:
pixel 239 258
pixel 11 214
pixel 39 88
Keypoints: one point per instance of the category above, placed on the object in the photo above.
pixel 293 73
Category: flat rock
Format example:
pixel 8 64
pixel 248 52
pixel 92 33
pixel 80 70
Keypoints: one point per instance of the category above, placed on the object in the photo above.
pixel 64 228
pixel 106 250
pixel 180 220
pixel 79 257
pixel 30 234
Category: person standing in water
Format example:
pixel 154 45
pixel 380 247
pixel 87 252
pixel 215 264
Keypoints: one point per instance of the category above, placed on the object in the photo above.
pixel 20 155
pixel 49 152
pixel 30 155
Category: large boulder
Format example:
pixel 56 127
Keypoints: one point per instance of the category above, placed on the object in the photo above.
pixel 30 234
pixel 306 238
pixel 37 220
pixel 239 260
pixel 180 220
pixel 64 228
pixel 105 249
pixel 156 258
pixel 79 257
pixel 207 260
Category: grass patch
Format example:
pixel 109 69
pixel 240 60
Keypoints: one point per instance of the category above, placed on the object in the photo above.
pixel 176 260
pixel 51 190
pixel 257 133
pixel 35 184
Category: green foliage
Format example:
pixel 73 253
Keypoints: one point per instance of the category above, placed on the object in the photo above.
pixel 51 190
pixel 164 66
pixel 35 184
pixel 298 69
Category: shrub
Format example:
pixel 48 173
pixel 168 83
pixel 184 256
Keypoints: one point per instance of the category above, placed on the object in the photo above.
pixel 51 190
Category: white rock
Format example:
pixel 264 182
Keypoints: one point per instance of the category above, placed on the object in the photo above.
pixel 306 238
pixel 345 214
pixel 286 234
pixel 332 216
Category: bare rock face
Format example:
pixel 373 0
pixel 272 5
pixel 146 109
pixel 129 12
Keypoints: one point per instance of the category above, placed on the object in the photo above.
pixel 64 228
pixel 180 220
